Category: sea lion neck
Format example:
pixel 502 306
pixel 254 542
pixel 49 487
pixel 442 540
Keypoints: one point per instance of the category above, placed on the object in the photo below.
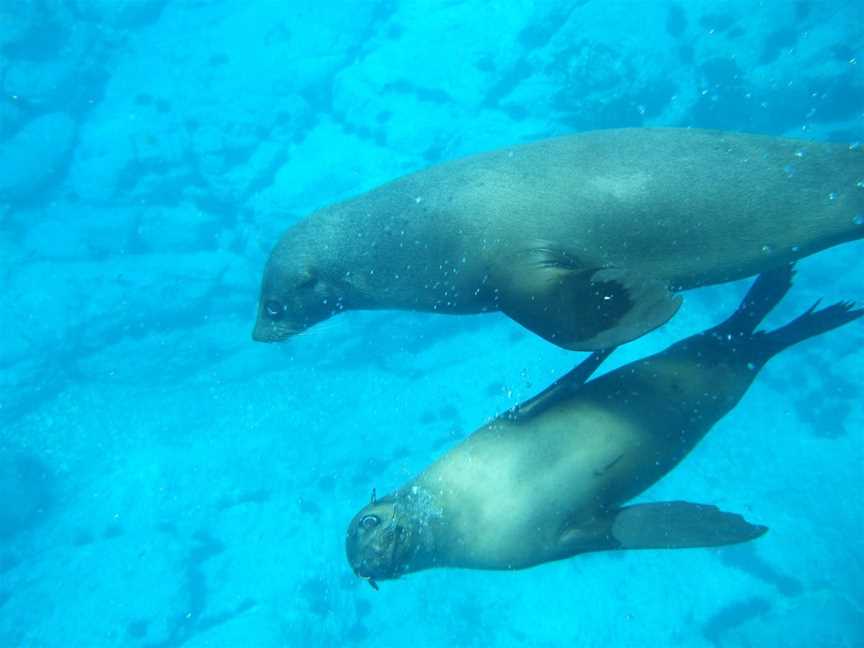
pixel 380 253
pixel 418 514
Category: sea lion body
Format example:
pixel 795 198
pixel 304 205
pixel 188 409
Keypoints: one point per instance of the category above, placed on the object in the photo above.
pixel 550 479
pixel 580 238
pixel 511 481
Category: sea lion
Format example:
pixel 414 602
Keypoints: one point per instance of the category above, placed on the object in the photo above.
pixel 549 479
pixel 581 239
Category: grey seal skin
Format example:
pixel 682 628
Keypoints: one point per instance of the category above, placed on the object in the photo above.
pixel 581 239
pixel 551 478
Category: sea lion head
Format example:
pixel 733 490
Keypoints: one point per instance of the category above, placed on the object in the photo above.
pixel 297 290
pixel 378 541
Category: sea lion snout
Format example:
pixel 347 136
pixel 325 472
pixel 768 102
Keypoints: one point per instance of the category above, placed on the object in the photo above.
pixel 372 542
pixel 278 320
pixel 294 297
pixel 270 328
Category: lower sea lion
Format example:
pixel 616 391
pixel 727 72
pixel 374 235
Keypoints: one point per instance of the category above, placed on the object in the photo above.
pixel 581 239
pixel 549 479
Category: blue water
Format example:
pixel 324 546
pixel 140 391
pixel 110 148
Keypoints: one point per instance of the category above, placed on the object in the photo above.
pixel 165 481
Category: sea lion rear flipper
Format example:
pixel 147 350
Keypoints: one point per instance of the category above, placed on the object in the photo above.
pixel 584 309
pixel 677 525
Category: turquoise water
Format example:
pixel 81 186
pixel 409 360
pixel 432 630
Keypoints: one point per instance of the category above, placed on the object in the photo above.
pixel 165 481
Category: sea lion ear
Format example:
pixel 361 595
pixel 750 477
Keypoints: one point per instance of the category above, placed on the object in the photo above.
pixel 308 277
pixel 374 498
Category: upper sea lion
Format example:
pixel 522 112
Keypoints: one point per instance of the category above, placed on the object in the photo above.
pixel 581 239
pixel 551 478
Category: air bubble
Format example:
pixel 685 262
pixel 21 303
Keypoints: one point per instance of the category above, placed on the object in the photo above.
pixel 858 219
pixel 832 196
pixel 767 249
pixel 790 170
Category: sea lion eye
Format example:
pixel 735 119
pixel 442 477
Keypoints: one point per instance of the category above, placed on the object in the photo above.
pixel 369 521
pixel 274 309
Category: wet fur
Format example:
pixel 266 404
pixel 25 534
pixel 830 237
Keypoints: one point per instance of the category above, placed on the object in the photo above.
pixel 682 207
pixel 547 480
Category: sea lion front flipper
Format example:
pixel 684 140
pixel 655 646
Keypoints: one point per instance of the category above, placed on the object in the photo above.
pixel 677 525
pixel 561 389
pixel 584 309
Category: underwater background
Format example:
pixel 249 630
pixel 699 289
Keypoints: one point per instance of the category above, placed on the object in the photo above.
pixel 166 482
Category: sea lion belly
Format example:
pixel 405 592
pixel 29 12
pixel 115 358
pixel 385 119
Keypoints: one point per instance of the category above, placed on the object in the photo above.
pixel 507 484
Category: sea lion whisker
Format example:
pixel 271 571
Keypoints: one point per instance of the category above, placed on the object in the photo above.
pixel 316 330
pixel 305 333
